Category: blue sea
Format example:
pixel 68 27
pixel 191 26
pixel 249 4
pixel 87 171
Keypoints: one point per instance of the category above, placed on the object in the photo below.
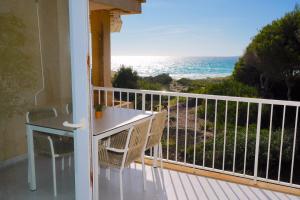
pixel 177 67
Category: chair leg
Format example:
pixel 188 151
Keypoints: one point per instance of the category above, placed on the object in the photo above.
pixel 144 170
pixel 161 167
pixel 160 156
pixel 155 155
pixel 70 157
pixel 54 176
pixel 28 171
pixel 63 163
pixel 121 185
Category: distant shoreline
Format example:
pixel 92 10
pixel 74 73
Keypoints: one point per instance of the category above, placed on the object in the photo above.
pixel 219 78
pixel 183 84
pixel 177 67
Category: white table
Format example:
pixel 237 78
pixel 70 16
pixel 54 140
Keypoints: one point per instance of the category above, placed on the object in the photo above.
pixel 53 126
pixel 114 120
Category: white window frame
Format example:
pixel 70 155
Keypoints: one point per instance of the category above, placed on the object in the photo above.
pixel 79 45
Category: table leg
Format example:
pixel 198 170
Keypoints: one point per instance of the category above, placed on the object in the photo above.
pixel 28 160
pixel 31 165
pixel 95 170
pixel 28 154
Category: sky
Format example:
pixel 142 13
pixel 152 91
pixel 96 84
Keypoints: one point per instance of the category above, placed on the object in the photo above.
pixel 195 27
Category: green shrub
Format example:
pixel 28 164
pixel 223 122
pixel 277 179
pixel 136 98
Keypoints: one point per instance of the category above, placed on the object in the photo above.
pixel 163 79
pixel 185 81
pixel 240 149
pixel 159 82
pixel 230 88
pixel 147 85
pixel 199 86
pixel 246 73
pixel 125 77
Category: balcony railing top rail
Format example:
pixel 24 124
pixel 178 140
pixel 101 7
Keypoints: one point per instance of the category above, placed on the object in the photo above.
pixel 201 96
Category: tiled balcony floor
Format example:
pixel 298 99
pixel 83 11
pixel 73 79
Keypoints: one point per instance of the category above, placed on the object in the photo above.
pixel 166 184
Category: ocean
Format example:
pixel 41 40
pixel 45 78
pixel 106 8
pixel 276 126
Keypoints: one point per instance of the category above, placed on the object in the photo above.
pixel 177 67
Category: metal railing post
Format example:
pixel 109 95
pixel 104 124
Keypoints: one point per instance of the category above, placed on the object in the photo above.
pixel 257 141
pixel 143 101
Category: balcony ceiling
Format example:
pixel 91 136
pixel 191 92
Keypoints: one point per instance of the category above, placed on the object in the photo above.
pixel 122 6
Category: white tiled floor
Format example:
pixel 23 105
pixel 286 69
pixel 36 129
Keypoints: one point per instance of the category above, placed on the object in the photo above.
pixel 164 184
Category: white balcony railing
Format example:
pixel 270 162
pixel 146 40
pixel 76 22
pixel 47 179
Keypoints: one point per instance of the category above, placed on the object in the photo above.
pixel 247 137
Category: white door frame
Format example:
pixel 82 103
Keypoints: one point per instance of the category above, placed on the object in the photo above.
pixel 79 43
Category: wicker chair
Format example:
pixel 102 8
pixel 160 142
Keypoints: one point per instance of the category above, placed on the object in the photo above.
pixel 36 114
pixel 154 138
pixel 120 150
pixel 156 131
pixel 52 146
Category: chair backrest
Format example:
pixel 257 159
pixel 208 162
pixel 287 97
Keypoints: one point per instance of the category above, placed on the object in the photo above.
pixel 157 128
pixel 136 141
pixel 40 113
pixel 43 144
pixel 69 108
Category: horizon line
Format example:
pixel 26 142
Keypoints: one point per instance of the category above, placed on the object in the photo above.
pixel 172 56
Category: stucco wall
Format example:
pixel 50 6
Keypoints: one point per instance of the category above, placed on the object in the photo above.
pixel 20 63
pixel 20 66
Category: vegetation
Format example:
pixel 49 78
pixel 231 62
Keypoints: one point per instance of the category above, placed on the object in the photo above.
pixel 240 150
pixel 163 79
pixel 99 107
pixel 272 60
pixel 199 86
pixel 229 88
pixel 147 85
pixel 125 78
